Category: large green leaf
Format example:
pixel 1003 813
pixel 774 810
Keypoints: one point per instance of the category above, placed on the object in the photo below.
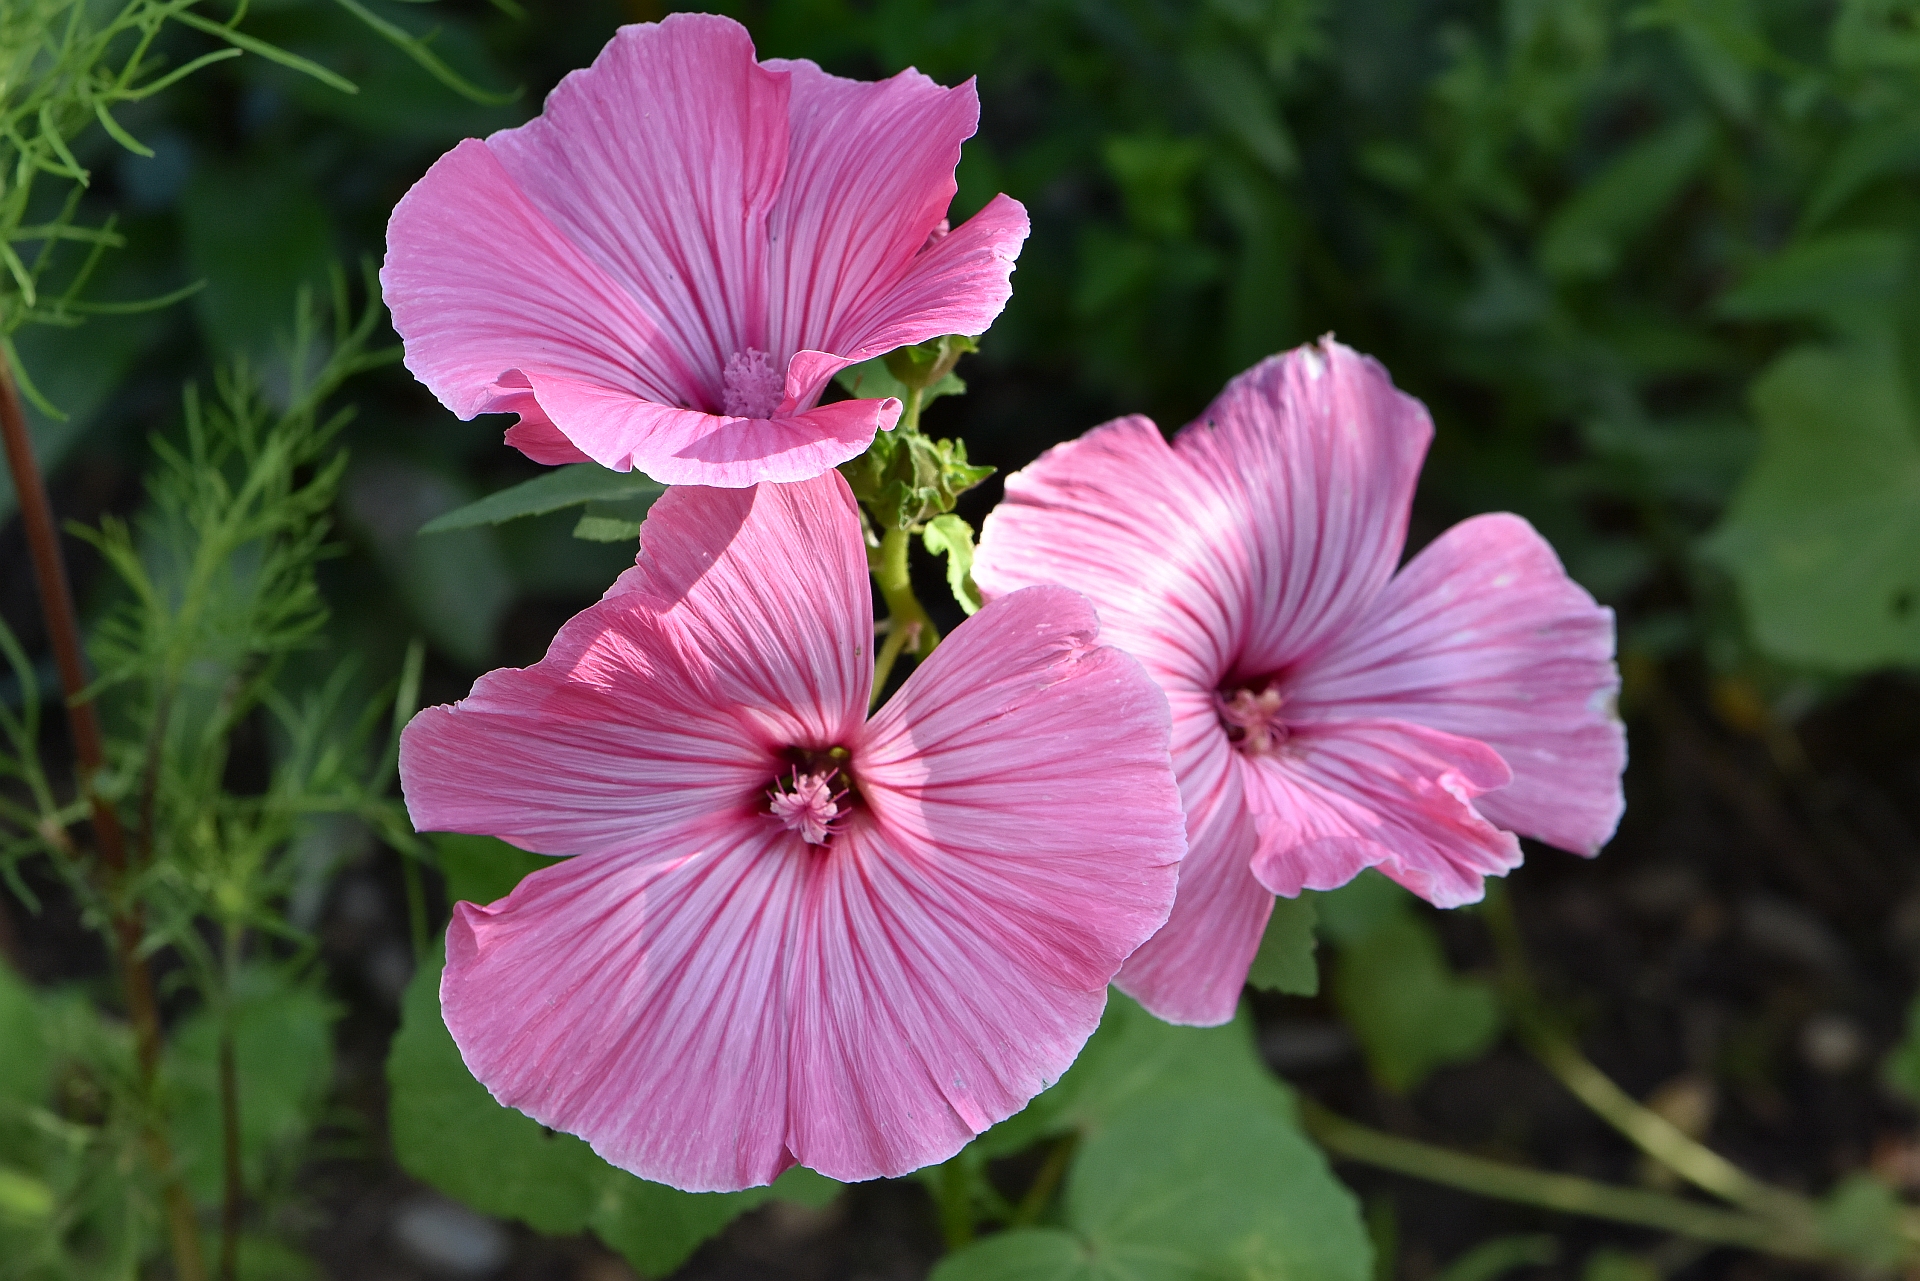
pixel 1395 989
pixel 570 486
pixel 1846 278
pixel 1823 537
pixel 25 1061
pixel 1190 1184
pixel 1285 961
pixel 1585 238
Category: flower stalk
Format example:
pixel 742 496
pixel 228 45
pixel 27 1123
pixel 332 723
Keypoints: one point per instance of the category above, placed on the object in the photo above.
pixel 125 929
pixel 909 628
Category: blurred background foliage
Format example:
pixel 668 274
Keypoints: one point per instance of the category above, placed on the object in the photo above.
pixel 1653 266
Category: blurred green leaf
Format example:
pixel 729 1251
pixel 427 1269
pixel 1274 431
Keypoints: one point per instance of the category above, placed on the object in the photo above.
pixel 872 380
pixel 26 1064
pixel 1863 1219
pixel 1844 277
pixel 567 486
pixel 1498 1257
pixel 258 235
pixel 483 869
pixel 1395 989
pixel 1823 537
pixel 1586 237
pixel 283 1053
pixel 1285 961
pixel 1618 1265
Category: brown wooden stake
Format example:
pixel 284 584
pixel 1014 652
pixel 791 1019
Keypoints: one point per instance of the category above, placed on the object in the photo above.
pixel 63 636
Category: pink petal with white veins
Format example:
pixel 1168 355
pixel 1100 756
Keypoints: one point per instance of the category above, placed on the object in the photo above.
pixel 1022 836
pixel 661 161
pixel 1310 460
pixel 1484 635
pixel 637 1001
pixel 1348 795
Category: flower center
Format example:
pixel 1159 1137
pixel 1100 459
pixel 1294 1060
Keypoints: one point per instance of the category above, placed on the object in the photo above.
pixel 1252 718
pixel 752 387
pixel 807 804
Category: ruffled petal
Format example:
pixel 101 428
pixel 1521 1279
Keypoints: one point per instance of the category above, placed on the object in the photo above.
pixel 1021 835
pixel 1310 460
pixel 745 628
pixel 482 286
pixel 1192 971
pixel 1345 796
pixel 687 447
pixel 1117 514
pixel 637 1001
pixel 661 162
pixel 869 175
pixel 957 285
pixel 1484 635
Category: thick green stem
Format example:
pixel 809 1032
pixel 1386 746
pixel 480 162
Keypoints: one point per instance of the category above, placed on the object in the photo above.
pixel 910 410
pixel 953 1191
pixel 910 630
pixel 1562 1192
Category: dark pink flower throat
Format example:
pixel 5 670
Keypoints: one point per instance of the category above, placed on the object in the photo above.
pixel 1251 716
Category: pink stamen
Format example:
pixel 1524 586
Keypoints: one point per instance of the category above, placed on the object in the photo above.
pixel 751 386
pixel 808 805
pixel 1255 717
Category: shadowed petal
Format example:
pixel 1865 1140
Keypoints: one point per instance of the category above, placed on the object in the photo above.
pixel 1484 635
pixel 636 1002
pixel 1345 796
pixel 1191 972
pixel 1021 838
pixel 1310 460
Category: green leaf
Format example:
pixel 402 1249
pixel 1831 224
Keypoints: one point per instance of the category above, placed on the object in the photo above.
pixel 257 235
pixel 1023 1254
pixel 1844 278
pixel 1395 989
pixel 1823 537
pixel 483 869
pixel 872 380
pixel 283 1054
pixel 1195 1185
pixel 1586 235
pixel 568 486
pixel 1496 1258
pixel 952 537
pixel 1618 1265
pixel 26 1063
pixel 1285 961
pixel 1862 1219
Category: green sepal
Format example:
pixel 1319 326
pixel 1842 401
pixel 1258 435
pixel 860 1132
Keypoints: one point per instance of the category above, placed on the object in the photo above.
pixel 905 479
pixel 952 537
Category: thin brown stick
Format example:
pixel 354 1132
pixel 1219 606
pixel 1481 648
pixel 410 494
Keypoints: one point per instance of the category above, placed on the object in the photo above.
pixel 126 929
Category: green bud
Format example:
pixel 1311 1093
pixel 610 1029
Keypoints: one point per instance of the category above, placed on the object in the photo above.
pixel 905 480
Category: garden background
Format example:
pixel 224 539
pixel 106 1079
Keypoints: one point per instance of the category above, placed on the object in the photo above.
pixel 1655 269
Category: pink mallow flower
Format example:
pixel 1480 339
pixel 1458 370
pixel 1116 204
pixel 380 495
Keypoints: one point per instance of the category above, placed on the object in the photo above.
pixel 1329 714
pixel 790 933
pixel 665 268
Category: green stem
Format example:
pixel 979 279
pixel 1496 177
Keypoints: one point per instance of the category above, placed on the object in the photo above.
pixel 1652 1133
pixel 1046 1182
pixel 910 411
pixel 954 1192
pixel 1562 1192
pixel 911 630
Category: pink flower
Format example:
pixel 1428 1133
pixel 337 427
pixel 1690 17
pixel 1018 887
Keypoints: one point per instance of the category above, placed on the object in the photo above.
pixel 1329 714
pixel 665 268
pixel 791 933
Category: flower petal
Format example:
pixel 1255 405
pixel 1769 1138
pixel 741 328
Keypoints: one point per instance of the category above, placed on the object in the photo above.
pixel 1310 460
pixel 1117 514
pixel 674 698
pixel 1021 836
pixel 1343 796
pixel 482 285
pixel 869 174
pixel 686 447
pixel 1192 971
pixel 958 285
pixel 1484 635
pixel 661 161
pixel 636 1002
